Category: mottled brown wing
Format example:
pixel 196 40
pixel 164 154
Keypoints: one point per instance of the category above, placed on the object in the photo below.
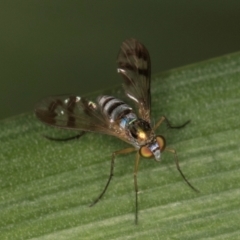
pixel 135 67
pixel 76 113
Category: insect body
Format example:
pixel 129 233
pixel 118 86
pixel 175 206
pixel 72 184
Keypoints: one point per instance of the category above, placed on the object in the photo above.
pixel 137 131
pixel 114 117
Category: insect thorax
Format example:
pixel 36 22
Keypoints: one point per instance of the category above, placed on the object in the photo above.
pixel 141 131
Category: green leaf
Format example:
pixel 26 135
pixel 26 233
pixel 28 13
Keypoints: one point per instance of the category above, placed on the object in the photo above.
pixel 46 186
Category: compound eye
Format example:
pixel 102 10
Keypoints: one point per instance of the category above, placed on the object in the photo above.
pixel 161 142
pixel 145 152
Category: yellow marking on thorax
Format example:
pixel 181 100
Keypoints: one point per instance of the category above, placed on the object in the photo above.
pixel 142 135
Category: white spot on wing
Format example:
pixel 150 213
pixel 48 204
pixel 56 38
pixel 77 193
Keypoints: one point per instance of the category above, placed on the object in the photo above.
pixel 119 70
pixel 133 98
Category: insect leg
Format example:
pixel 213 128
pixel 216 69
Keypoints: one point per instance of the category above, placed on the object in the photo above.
pixel 65 139
pixel 136 186
pixel 114 154
pixel 176 127
pixel 179 169
pixel 163 118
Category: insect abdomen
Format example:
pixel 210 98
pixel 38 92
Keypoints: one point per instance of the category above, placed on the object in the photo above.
pixel 113 108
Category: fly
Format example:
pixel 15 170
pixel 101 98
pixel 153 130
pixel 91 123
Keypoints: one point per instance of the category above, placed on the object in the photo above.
pixel 113 116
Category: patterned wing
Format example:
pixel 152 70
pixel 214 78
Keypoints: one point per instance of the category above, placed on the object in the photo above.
pixel 76 113
pixel 135 67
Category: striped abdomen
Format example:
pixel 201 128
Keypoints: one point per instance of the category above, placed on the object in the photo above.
pixel 113 108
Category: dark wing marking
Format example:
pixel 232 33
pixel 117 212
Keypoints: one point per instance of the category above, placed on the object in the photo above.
pixel 135 67
pixel 76 113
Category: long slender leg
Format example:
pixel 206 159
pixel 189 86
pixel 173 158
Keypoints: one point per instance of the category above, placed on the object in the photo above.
pixel 136 186
pixel 160 121
pixel 114 154
pixel 179 169
pixel 65 139
pixel 163 118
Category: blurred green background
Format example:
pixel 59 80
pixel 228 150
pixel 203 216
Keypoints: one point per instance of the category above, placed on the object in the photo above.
pixel 51 47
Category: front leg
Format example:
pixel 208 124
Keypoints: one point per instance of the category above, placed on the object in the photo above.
pixel 173 151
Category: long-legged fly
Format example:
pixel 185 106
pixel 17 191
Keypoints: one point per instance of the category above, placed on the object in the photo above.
pixel 112 116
